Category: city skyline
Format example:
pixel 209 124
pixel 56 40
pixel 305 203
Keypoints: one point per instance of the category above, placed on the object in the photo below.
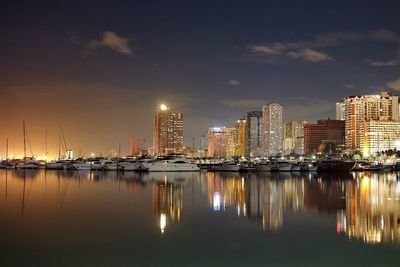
pixel 104 81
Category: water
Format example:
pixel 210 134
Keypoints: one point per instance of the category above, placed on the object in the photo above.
pixel 58 218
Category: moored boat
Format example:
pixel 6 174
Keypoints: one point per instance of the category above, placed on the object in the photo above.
pixel 171 164
pixel 263 167
pixel 332 165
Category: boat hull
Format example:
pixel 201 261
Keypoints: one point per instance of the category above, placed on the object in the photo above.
pixel 335 166
pixel 172 167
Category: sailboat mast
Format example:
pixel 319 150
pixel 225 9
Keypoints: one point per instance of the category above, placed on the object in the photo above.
pixel 59 147
pixel 24 133
pixel 46 144
pixel 7 149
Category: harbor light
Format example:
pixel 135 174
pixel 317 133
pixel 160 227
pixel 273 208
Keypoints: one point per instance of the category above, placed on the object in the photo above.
pixel 69 154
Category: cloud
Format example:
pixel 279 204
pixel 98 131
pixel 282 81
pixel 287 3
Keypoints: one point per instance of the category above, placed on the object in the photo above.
pixel 394 84
pixel 233 83
pixel 310 55
pixel 308 50
pixel 112 41
pixel 263 49
pixel 348 85
pixel 384 63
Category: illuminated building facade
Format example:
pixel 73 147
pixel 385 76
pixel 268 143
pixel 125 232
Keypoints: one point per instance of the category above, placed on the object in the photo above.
pixel 135 146
pixel 241 138
pixel 379 136
pixel 254 133
pixel 272 126
pixel 167 132
pixel 361 109
pixel 340 111
pixel 221 142
pixel 325 131
pixel 293 142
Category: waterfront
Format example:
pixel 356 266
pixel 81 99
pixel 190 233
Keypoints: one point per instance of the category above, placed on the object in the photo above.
pixel 82 218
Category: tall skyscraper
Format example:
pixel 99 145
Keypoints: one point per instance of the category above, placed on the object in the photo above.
pixel 204 142
pixel 241 138
pixel 254 133
pixel 167 132
pixel 365 108
pixel 293 142
pixel 221 142
pixel 273 129
pixel 340 111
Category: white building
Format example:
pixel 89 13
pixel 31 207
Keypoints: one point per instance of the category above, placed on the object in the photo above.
pixel 340 111
pixel 365 108
pixel 273 129
pixel 293 142
pixel 378 136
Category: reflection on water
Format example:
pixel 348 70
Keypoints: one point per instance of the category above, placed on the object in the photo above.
pixel 167 200
pixel 367 205
pixel 372 208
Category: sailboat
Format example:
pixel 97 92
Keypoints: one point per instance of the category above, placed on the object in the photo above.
pixel 27 163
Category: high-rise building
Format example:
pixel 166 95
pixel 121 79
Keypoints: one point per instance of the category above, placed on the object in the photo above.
pixel 364 108
pixel 241 138
pixel 379 136
pixel 254 133
pixel 293 142
pixel 221 142
pixel 340 111
pixel 272 126
pixel 167 132
pixel 329 132
pixel 204 142
pixel 135 146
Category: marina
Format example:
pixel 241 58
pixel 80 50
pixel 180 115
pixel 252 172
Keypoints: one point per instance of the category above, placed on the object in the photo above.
pixel 103 217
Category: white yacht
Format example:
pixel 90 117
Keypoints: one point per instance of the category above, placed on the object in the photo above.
pixel 171 164
pixel 54 165
pixel 89 165
pixel 296 167
pixel 284 166
pixel 28 164
pixel 132 166
pixel 110 165
pixel 263 167
pixel 226 167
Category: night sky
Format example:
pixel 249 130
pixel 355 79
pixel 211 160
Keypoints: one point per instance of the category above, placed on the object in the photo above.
pixel 102 68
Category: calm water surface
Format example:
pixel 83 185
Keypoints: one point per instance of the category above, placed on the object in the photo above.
pixel 58 218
